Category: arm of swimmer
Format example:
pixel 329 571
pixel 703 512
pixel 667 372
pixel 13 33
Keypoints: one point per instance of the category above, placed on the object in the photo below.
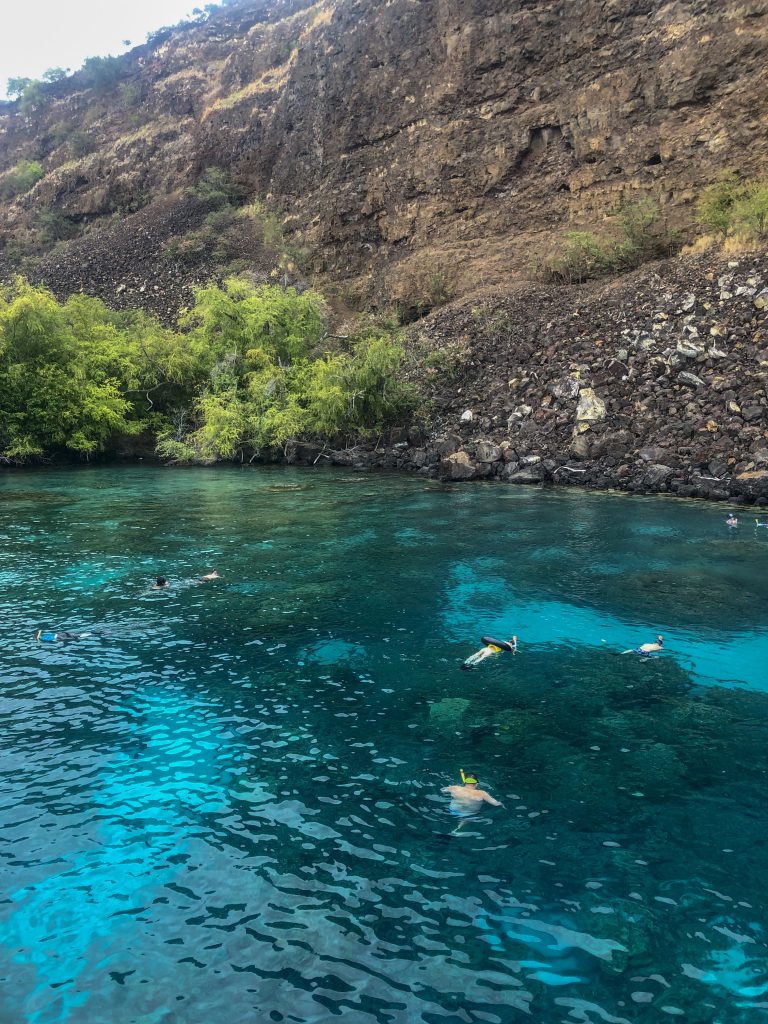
pixel 491 800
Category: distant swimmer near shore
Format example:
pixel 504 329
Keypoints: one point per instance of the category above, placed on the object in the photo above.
pixel 653 648
pixel 491 647
pixel 160 583
pixel 732 522
pixel 212 575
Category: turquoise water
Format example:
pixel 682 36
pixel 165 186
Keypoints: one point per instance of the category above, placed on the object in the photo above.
pixel 225 805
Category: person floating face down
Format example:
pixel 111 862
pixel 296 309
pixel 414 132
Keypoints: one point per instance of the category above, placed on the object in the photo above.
pixel 490 648
pixel 212 575
pixel 652 648
pixel 468 798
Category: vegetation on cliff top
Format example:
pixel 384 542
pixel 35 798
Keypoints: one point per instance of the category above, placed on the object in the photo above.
pixel 250 369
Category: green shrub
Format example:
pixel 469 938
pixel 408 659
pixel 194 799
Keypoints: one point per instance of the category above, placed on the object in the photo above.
pixel 54 226
pixel 733 207
pixel 270 223
pixel 640 234
pixel 130 94
pixel 215 189
pixel 20 179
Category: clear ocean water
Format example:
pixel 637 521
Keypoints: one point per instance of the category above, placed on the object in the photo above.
pixel 225 804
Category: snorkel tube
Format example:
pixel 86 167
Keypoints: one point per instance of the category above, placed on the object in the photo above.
pixel 468 780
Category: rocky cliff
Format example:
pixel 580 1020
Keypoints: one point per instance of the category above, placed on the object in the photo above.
pixel 449 138
pixel 447 144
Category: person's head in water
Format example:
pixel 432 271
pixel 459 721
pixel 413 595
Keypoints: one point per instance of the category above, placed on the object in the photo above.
pixel 468 778
pixel 160 582
pixel 660 640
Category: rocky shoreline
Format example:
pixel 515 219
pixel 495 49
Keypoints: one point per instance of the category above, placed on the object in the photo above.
pixel 652 383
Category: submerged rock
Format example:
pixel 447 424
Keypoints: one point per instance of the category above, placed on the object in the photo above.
pixel 446 716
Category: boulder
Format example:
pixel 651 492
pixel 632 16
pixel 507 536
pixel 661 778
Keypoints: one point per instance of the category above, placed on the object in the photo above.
pixel 566 387
pixel 752 413
pixel 761 299
pixel 590 409
pixel 753 484
pixel 467 416
pixel 580 446
pixel 656 475
pixel 488 452
pixel 690 379
pixel 526 475
pixel 458 466
pixel 659 456
pixel 447 445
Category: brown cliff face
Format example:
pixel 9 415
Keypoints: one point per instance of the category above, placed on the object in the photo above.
pixel 457 137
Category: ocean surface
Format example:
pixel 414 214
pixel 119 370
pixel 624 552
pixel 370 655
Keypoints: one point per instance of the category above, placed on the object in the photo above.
pixel 224 804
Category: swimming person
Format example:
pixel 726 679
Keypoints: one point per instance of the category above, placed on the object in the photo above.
pixel 467 799
pixel 212 575
pixel 761 522
pixel 732 522
pixel 491 647
pixel 653 648
pixel 160 583
pixel 50 636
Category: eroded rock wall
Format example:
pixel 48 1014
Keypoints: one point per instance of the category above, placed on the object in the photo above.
pixel 456 137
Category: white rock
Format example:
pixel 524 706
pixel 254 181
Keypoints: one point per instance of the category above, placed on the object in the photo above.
pixel 466 416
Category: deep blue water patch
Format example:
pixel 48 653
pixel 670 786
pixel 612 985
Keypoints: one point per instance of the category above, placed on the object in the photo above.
pixel 224 804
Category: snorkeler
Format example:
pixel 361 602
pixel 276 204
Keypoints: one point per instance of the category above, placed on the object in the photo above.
pixel 467 799
pixel 653 648
pixel 160 583
pixel 51 636
pixel 491 647
pixel 761 522
pixel 212 575
pixel 732 521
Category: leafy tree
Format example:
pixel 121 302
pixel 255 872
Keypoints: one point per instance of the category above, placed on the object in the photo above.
pixel 103 73
pixel 50 398
pixel 231 320
pixel 33 97
pixel 55 74
pixel 17 86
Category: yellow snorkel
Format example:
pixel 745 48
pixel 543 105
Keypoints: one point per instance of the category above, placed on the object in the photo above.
pixel 468 780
